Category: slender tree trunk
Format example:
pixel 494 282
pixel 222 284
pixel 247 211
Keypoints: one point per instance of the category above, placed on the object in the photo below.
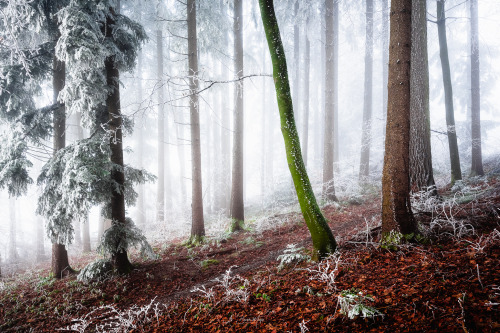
pixel 366 134
pixel 322 237
pixel 336 148
pixel 160 190
pixel 477 159
pixel 385 60
pixel 13 255
pixel 421 175
pixel 305 124
pixel 119 259
pixel 396 208
pixel 198 223
pixel 60 261
pixel 456 173
pixel 181 142
pixel 237 204
pixel 328 180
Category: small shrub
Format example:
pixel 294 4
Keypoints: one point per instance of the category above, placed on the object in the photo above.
pixel 352 304
pixel 95 271
pixel 292 254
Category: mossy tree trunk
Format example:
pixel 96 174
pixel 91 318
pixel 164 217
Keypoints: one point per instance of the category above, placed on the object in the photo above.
pixel 456 172
pixel 396 209
pixel 421 174
pixel 322 237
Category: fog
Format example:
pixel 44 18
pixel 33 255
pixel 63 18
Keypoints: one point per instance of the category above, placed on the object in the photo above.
pixel 267 182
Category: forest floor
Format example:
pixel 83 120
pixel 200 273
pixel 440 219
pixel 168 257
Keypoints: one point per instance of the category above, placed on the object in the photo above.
pixel 449 283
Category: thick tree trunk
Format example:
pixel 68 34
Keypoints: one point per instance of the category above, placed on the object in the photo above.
pixel 456 173
pixel 198 223
pixel 237 200
pixel 322 237
pixel 119 259
pixel 60 261
pixel 160 190
pixel 396 208
pixel 477 159
pixel 305 124
pixel 421 175
pixel 366 134
pixel 328 180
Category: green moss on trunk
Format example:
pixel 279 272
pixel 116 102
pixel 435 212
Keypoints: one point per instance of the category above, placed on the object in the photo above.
pixel 322 237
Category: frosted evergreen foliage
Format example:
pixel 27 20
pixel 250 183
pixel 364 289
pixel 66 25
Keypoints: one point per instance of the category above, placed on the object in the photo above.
pixel 84 47
pixel 96 270
pixel 292 254
pixel 14 164
pixel 122 236
pixel 77 178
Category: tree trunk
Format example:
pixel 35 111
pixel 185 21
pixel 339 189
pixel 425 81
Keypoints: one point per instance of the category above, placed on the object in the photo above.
pixel 160 192
pixel 396 209
pixel 263 138
pixel 119 259
pixel 456 173
pixel 237 205
pixel 421 175
pixel 198 223
pixel 322 237
pixel 305 124
pixel 60 261
pixel 328 180
pixel 366 134
pixel 477 159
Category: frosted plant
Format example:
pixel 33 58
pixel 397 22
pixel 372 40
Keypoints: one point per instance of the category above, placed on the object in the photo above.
pixel 352 304
pixel 291 254
pixel 326 271
pixel 209 294
pixel 303 327
pixel 122 236
pixel 235 287
pixel 96 270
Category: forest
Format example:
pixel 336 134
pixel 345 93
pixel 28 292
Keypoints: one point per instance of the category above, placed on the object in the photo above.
pixel 249 166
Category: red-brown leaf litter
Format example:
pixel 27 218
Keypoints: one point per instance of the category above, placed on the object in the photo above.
pixel 449 282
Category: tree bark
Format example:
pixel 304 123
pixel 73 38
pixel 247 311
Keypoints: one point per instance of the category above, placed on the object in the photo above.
pixel 60 262
pixel 396 208
pixel 336 148
pixel 140 146
pixel 477 159
pixel 198 223
pixel 322 237
pixel 119 259
pixel 328 180
pixel 237 201
pixel 366 133
pixel 421 174
pixel 456 173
